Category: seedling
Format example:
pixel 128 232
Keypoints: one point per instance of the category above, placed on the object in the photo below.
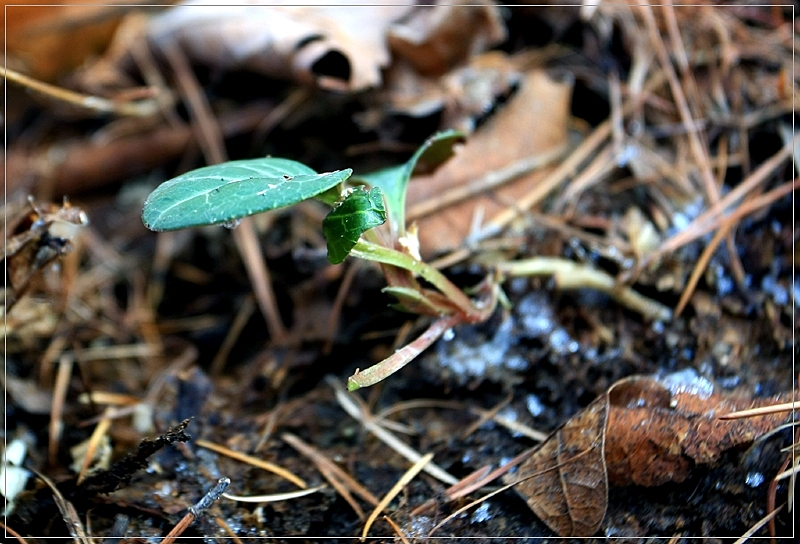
pixel 225 193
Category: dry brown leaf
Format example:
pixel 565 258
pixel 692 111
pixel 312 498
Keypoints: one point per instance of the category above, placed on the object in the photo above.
pixel 564 482
pixel 334 46
pixel 642 431
pixel 658 432
pixel 435 38
pixel 48 40
pixel 532 123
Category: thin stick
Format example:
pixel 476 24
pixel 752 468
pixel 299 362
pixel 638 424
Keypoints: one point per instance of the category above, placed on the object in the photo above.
pixel 197 510
pixel 140 108
pixel 256 462
pixel 415 469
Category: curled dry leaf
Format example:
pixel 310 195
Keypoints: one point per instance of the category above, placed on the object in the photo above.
pixel 435 38
pixel 642 431
pixel 339 47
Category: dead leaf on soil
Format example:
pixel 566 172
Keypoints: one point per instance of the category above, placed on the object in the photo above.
pixel 435 38
pixel 642 431
pixel 564 481
pixel 658 432
pixel 533 123
pixel 46 40
pixel 334 46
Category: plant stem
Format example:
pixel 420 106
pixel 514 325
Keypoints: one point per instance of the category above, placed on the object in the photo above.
pixel 572 275
pixel 401 357
pixel 374 252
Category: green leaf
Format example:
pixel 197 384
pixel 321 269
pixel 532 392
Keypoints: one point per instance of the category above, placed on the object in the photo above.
pixel 360 211
pixel 394 180
pixel 232 190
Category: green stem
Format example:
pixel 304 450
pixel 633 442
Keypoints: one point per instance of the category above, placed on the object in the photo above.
pixel 400 358
pixel 374 252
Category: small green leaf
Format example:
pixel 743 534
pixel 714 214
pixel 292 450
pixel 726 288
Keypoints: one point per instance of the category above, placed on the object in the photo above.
pixel 232 190
pixel 394 180
pixel 360 211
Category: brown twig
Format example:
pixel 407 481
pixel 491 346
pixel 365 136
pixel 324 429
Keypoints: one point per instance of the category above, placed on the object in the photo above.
pixel 197 510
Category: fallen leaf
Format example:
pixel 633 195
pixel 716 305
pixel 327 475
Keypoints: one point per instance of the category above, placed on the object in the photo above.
pixel 436 38
pixel 658 432
pixel 333 46
pixel 564 482
pixel 533 123
pixel 46 40
pixel 642 431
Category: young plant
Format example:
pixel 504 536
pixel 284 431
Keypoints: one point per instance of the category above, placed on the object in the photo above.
pixel 225 193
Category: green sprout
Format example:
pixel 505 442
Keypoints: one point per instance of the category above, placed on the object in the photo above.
pixel 225 193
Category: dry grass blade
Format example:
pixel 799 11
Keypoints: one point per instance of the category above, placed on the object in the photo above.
pixel 338 478
pixel 239 322
pixel 468 506
pixel 140 108
pixel 415 469
pixel 57 409
pixel 256 462
pixel 94 441
pixel 759 524
pixel 361 414
pixel 210 138
pixel 397 530
pixel 516 426
pixel 701 265
pixel 701 225
pixel 763 410
pixel 9 531
pixel 227 528
pixel 485 416
pixel 275 497
pixel 485 183
pixel 567 168
pixel 68 512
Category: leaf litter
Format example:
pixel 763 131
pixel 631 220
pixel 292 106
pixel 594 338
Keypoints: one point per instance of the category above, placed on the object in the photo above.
pixel 646 144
